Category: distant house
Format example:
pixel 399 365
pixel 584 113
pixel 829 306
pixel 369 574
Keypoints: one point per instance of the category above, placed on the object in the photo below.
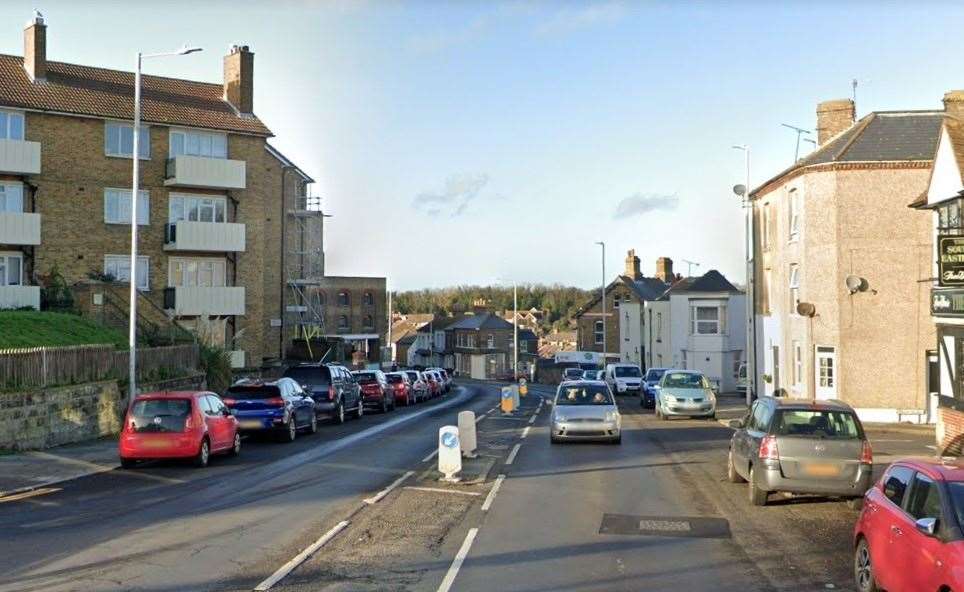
pixel 482 346
pixel 529 319
pixel 557 341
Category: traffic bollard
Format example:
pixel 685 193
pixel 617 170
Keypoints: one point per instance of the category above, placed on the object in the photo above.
pixel 508 401
pixel 449 453
pixel 467 433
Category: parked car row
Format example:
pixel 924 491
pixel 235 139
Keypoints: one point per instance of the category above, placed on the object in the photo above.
pixel 198 424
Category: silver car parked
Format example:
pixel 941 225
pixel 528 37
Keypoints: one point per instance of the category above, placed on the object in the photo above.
pixel 800 446
pixel 585 410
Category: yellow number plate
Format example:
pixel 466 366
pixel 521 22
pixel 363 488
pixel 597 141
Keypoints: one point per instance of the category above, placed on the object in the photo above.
pixel 821 470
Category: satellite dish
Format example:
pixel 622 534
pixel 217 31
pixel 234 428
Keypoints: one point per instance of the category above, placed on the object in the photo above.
pixel 739 189
pixel 806 309
pixel 855 284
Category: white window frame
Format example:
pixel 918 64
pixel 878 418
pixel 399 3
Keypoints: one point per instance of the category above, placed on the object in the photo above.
pixel 765 223
pixel 490 341
pixel 797 364
pixel 212 263
pixel 659 327
pixel 145 139
pixel 719 322
pixel 5 197
pixel 793 284
pixel 470 341
pixel 598 333
pixel 6 129
pixel 524 346
pixel 143 262
pixel 197 148
pixel 188 201
pixel 6 256
pixel 793 214
pixel 122 195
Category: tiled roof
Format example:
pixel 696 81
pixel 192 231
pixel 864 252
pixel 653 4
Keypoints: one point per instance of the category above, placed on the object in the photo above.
pixel 99 92
pixel 647 288
pixel 486 320
pixel 711 281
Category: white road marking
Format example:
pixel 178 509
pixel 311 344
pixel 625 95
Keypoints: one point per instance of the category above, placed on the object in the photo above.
pixel 532 419
pixel 492 492
pixel 481 417
pixel 430 456
pixel 511 457
pixel 525 432
pixel 375 499
pixel 300 558
pixel 446 584
pixel 440 490
pixel 931 446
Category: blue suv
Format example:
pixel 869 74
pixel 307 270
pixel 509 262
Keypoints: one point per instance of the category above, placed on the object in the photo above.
pixel 647 395
pixel 281 407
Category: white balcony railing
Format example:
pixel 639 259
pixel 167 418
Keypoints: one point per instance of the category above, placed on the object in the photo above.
pixel 191 301
pixel 198 171
pixel 19 228
pixel 20 297
pixel 185 235
pixel 19 157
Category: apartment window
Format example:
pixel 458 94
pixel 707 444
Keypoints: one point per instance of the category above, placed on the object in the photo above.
pixel 368 299
pixel 794 204
pixel 198 143
pixel 523 346
pixel 659 327
pixel 470 340
pixel 11 198
pixel 708 320
pixel 119 267
pixel 197 209
pixel 490 341
pixel 117 207
pixel 794 287
pixel 342 322
pixel 205 273
pixel 119 140
pixel 949 217
pixel 11 125
pixel 598 332
pixel 765 226
pixel 368 321
pixel 797 363
pixel 11 269
pixel 344 298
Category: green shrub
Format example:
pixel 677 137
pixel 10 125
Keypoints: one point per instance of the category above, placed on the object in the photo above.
pixel 216 363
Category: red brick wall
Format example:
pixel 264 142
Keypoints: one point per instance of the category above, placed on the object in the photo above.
pixel 950 431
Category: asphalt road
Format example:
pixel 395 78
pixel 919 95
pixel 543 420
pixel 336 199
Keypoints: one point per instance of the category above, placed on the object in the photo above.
pixel 167 526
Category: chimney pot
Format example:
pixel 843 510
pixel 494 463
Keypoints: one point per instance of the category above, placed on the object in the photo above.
pixel 35 48
pixel 664 269
pixel 239 78
pixel 954 104
pixel 834 117
pixel 632 265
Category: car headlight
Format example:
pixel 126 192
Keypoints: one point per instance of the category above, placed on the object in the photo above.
pixel 611 416
pixel 668 398
pixel 559 417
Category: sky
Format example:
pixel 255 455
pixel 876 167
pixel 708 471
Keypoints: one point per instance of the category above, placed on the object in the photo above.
pixel 480 142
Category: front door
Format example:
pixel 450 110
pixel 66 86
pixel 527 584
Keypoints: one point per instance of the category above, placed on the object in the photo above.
pixel 825 370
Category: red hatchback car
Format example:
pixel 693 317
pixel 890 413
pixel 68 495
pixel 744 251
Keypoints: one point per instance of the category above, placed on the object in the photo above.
pixel 909 535
pixel 178 424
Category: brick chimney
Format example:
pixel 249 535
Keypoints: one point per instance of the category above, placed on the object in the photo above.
pixel 632 265
pixel 834 117
pixel 954 104
pixel 35 48
pixel 239 79
pixel 664 269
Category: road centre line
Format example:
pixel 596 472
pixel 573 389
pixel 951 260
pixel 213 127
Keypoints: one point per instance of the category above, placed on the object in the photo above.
pixel 515 450
pixel 532 420
pixel 381 494
pixel 430 456
pixel 440 490
pixel 481 417
pixel 525 432
pixel 492 493
pixel 300 558
pixel 446 584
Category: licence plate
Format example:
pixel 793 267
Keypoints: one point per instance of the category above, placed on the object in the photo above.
pixel 250 424
pixel 821 470
pixel 156 444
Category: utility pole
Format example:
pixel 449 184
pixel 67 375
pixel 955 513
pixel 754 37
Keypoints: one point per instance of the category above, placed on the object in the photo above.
pixel 603 293
pixel 515 331
pixel 743 191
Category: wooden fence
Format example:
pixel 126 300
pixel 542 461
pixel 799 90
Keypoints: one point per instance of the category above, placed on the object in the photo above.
pixel 38 367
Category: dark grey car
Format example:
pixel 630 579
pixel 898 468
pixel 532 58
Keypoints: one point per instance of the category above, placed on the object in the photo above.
pixel 800 446
pixel 332 387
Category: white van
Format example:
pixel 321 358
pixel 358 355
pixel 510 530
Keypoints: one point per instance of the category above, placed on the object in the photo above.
pixel 624 379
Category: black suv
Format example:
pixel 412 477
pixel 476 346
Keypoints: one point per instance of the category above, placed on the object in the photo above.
pixel 332 387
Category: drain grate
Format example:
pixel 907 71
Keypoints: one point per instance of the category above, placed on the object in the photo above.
pixel 673 526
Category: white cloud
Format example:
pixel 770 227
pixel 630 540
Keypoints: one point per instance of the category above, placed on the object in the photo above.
pixel 573 18
pixel 639 204
pixel 454 198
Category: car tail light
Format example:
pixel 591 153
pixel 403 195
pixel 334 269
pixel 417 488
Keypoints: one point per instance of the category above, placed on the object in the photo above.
pixel 768 448
pixel 189 423
pixel 275 402
pixel 867 454
pixel 331 393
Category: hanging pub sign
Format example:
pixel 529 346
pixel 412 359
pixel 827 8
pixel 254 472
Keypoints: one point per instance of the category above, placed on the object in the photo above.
pixel 950 262
pixel 947 303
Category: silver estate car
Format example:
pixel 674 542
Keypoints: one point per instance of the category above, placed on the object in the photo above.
pixel 585 410
pixel 800 446
pixel 685 393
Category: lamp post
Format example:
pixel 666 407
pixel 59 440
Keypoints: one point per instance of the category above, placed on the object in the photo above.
pixel 135 157
pixel 603 294
pixel 515 330
pixel 743 191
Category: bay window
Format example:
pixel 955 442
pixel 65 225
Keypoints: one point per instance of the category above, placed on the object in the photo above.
pixel 117 207
pixel 119 140
pixel 198 143
pixel 119 267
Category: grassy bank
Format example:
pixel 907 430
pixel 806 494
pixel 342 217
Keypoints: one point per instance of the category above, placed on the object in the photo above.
pixel 52 329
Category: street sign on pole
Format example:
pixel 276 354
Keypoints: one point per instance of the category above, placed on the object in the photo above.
pixel 467 433
pixel 449 453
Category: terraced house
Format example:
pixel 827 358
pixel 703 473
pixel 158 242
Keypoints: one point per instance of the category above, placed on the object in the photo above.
pixel 213 203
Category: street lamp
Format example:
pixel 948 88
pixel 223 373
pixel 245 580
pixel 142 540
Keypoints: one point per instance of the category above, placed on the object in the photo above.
pixel 515 330
pixel 603 292
pixel 136 157
pixel 743 191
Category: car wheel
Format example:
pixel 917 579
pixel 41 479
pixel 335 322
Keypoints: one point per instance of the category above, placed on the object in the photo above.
pixel 361 410
pixel 203 454
pixel 642 403
pixel 339 414
pixel 617 440
pixel 553 440
pixel 290 432
pixel 731 475
pixel 758 497
pixel 863 568
pixel 128 463
pixel 313 426
pixel 236 449
pixel 384 405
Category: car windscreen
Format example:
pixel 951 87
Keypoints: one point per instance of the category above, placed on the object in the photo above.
pixel 654 375
pixel 258 392
pixel 366 378
pixel 309 375
pixel 684 380
pixel 160 415
pixel 394 378
pixel 627 372
pixel 816 423
pixel 413 376
pixel 575 372
pixel 584 394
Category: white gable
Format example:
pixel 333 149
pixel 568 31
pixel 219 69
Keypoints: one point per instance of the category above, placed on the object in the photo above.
pixel 946 175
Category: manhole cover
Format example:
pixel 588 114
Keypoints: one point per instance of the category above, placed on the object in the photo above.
pixel 673 526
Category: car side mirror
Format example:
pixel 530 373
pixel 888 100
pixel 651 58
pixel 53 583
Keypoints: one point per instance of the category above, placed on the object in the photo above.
pixel 927 526
pixel 736 424
pixel 227 412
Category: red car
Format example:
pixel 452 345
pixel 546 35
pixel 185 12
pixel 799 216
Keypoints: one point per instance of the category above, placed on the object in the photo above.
pixel 178 424
pixel 434 384
pixel 909 537
pixel 374 390
pixel 402 388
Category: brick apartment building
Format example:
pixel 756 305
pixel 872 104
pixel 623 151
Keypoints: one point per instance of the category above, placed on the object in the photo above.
pixel 214 201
